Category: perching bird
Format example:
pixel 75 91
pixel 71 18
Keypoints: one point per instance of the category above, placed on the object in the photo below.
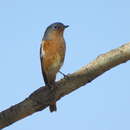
pixel 52 53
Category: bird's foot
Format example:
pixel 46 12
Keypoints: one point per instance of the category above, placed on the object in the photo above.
pixel 65 76
pixel 52 86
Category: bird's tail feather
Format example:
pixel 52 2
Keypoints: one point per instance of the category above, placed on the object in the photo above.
pixel 53 107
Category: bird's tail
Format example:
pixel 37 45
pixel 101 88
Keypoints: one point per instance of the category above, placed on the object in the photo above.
pixel 53 107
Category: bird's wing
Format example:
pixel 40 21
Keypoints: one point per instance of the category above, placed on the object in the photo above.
pixel 42 63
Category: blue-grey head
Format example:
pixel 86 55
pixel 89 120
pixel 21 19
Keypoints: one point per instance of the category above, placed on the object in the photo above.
pixel 54 30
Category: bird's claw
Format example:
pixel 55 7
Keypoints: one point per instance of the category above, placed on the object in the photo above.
pixel 65 76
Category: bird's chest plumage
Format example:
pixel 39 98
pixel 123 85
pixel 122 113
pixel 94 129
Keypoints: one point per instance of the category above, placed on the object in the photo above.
pixel 54 52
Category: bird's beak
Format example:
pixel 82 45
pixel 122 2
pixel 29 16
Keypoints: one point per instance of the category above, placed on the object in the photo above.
pixel 66 26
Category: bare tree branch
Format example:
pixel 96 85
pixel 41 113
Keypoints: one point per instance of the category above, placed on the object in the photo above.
pixel 41 98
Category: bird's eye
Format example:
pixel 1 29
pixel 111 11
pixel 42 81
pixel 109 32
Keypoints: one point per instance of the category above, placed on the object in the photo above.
pixel 55 27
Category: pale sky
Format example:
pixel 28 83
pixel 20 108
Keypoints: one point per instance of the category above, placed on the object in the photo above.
pixel 95 28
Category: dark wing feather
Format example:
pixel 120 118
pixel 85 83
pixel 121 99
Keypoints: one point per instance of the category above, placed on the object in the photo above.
pixel 42 67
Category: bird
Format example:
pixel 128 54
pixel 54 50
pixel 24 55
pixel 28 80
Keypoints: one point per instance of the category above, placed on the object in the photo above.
pixel 52 55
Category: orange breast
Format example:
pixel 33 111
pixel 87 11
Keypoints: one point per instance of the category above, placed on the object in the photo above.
pixel 54 52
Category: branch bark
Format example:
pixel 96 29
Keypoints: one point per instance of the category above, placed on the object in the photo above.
pixel 41 98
